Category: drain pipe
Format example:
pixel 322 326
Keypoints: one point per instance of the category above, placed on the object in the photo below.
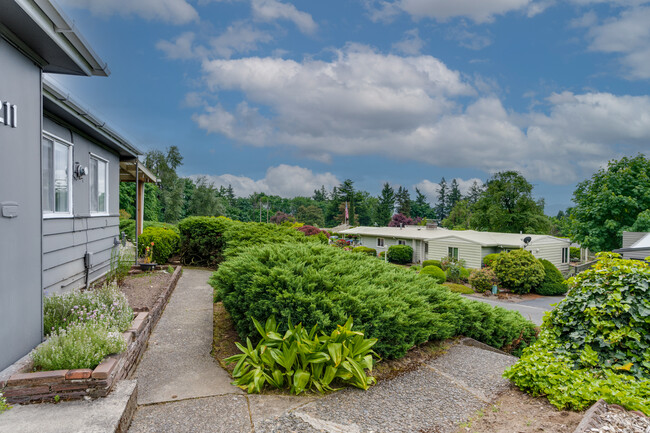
pixel 137 205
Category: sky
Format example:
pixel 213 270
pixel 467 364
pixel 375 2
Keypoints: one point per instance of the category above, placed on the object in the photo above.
pixel 283 97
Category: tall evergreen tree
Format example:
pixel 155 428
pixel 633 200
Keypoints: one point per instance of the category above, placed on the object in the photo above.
pixel 475 192
pixel 403 202
pixel 386 206
pixel 443 200
pixel 320 195
pixel 420 206
pixel 454 196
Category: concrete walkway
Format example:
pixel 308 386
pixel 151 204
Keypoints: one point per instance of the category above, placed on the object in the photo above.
pixel 533 309
pixel 182 389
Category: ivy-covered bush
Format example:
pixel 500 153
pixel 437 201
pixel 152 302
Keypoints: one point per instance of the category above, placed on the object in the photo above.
pixel 365 250
pixel 483 279
pixel 519 271
pixel 489 259
pixel 163 241
pixel 316 284
pixel 553 283
pixel 202 240
pixel 426 263
pixel 82 345
pixel 596 343
pixel 434 272
pixel 401 254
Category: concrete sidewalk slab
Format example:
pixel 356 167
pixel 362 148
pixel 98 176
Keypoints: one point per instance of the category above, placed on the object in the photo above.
pixel 177 364
pixel 105 415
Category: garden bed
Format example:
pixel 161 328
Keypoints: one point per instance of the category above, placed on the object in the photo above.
pixel 143 289
pixel 29 387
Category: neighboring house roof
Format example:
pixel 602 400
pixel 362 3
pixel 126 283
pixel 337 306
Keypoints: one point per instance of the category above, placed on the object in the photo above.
pixel 63 106
pixel 642 244
pixel 45 33
pixel 485 239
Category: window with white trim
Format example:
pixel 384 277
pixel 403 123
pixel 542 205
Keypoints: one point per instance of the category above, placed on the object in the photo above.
pixel 380 242
pixel 98 185
pixel 452 252
pixel 401 242
pixel 57 177
pixel 565 255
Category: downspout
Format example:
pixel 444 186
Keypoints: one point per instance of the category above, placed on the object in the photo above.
pixel 137 205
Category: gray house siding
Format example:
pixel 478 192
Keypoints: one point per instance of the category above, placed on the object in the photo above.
pixel 66 240
pixel 20 182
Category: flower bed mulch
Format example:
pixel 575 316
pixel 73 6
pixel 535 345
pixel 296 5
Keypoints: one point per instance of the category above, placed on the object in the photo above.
pixel 143 289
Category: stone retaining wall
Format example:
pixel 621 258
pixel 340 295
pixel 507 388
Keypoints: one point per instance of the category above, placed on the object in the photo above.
pixel 23 388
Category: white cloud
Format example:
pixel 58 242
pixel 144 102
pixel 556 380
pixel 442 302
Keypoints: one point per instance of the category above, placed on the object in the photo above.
pixel 468 39
pixel 172 11
pixel 415 108
pixel 181 48
pixel 430 189
pixel 271 10
pixel 411 44
pixel 442 10
pixel 240 37
pixel 628 35
pixel 283 180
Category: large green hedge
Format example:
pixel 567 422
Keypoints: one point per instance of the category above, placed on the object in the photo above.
pixel 163 242
pixel 128 227
pixel 316 284
pixel 596 342
pixel 553 283
pixel 401 254
pixel 519 271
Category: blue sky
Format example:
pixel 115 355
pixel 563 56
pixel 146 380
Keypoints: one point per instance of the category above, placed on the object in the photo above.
pixel 281 97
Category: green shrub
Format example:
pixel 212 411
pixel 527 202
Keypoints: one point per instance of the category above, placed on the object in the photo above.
pixel 128 227
pixel 482 280
pixel 595 343
pixel 106 305
pixel 458 288
pixel 366 250
pixel 202 242
pixel 401 254
pixel 431 263
pixel 553 283
pixel 382 254
pixel 434 272
pixel 464 274
pixel 164 241
pixel 82 345
pixel 489 259
pixel 415 268
pixel 303 361
pixel 315 284
pixel 574 254
pixel 519 271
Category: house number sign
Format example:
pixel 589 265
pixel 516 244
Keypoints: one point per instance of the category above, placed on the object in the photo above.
pixel 8 114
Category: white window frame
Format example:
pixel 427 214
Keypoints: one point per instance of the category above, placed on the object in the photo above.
pixel 381 242
pixel 54 139
pixel 401 242
pixel 565 255
pixel 90 191
pixel 450 252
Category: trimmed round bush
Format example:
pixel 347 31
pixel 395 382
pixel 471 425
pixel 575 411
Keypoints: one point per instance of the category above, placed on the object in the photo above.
pixel 164 242
pixel 489 259
pixel 202 240
pixel 400 254
pixel 482 280
pixel 366 250
pixel 553 283
pixel 434 272
pixel 519 271
pixel 431 263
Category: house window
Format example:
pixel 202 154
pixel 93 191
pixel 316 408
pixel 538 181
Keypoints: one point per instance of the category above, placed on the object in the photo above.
pixel 453 252
pixel 57 177
pixel 565 255
pixel 98 185
pixel 380 242
pixel 401 242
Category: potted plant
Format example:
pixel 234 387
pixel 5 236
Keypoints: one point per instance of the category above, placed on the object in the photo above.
pixel 147 264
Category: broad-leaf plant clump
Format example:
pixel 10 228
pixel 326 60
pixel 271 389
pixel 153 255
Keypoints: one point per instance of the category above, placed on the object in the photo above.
pixel 596 343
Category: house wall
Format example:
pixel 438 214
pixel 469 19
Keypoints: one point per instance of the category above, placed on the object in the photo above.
pixel 630 238
pixel 371 242
pixel 20 182
pixel 641 254
pixel 550 250
pixel 66 240
pixel 468 251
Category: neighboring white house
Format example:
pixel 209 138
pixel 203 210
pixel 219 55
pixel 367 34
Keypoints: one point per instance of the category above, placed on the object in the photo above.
pixel 636 245
pixel 469 245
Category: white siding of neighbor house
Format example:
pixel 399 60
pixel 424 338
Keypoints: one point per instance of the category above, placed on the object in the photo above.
pixel 66 240
pixel 371 242
pixel 551 250
pixel 468 251
pixel 629 238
